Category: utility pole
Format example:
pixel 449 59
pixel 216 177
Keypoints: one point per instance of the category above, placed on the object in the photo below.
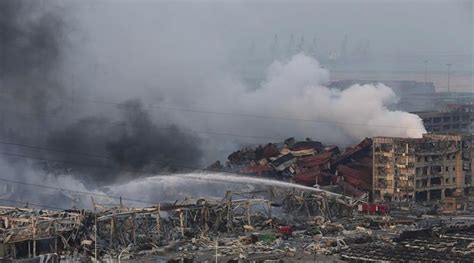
pixel 344 47
pixel 217 246
pixel 426 66
pixel 313 47
pixel 274 46
pixel 290 45
pixel 449 73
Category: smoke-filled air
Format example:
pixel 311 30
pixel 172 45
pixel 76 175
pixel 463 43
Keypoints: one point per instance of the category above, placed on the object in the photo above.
pixel 97 93
pixel 236 131
pixel 296 90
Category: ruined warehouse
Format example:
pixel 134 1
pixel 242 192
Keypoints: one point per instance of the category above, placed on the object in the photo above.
pixel 434 167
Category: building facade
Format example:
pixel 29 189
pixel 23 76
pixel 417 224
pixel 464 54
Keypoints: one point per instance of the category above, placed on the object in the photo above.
pixel 456 118
pixel 422 169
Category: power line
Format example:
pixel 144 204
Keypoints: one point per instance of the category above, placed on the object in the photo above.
pixel 85 192
pixel 27 203
pixel 167 128
pixel 166 162
pixel 96 194
pixel 110 167
pixel 59 161
pixel 74 191
pixel 99 166
pixel 280 139
pixel 70 190
pixel 234 114
pixel 88 165
pixel 191 131
pixel 54 150
pixel 92 165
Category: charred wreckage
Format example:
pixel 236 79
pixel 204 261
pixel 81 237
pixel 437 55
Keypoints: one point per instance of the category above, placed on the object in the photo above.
pixel 336 217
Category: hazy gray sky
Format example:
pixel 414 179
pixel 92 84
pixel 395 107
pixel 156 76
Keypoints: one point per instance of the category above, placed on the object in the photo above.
pixel 400 34
pixel 436 26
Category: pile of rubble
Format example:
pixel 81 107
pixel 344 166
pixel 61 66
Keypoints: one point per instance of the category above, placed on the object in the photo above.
pixel 239 226
pixel 308 163
pixel 454 244
pixel 242 227
pixel 26 232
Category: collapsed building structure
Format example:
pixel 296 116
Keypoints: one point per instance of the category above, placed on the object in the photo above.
pixel 26 232
pixel 179 228
pixel 288 226
pixel 271 223
pixel 435 167
pixel 440 244
pixel 308 163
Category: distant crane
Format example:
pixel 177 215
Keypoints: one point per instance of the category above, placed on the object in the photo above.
pixel 449 73
pixel 313 48
pixel 274 46
pixel 290 45
pixel 343 53
pixel 426 66
pixel 301 44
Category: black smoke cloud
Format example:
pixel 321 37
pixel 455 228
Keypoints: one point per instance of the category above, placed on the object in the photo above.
pixel 31 41
pixel 35 108
pixel 130 146
pixel 141 142
pixel 28 43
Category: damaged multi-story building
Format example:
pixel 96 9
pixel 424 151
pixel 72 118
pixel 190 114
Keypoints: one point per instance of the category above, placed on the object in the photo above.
pixel 454 118
pixel 434 167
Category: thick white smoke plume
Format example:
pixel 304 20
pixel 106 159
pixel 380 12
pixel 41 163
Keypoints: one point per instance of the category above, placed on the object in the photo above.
pixel 293 100
pixel 182 61
pixel 358 110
